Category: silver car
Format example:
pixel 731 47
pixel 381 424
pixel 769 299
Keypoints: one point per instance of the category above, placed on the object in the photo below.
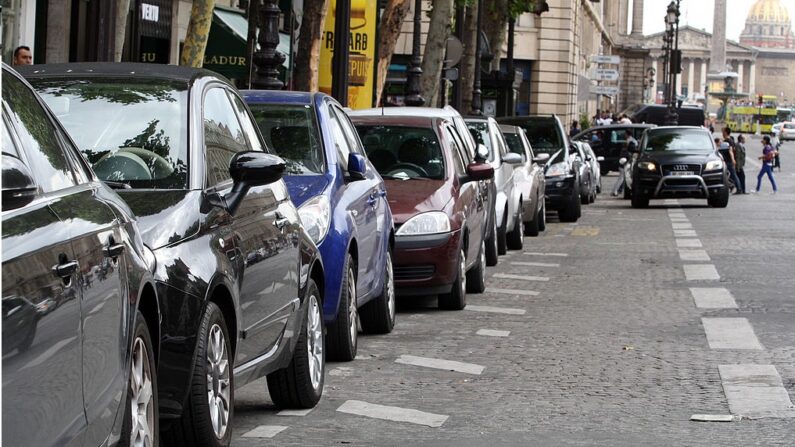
pixel 529 179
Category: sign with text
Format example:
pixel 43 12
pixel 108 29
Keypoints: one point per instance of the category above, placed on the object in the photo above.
pixel 604 74
pixel 605 59
pixel 604 90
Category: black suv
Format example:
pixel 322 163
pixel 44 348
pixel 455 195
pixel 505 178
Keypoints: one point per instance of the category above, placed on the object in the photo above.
pixel 679 162
pixel 609 142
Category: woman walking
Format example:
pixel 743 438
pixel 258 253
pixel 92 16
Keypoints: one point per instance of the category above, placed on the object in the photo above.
pixel 739 156
pixel 768 155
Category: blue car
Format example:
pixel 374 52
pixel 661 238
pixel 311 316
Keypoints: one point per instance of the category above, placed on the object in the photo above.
pixel 341 199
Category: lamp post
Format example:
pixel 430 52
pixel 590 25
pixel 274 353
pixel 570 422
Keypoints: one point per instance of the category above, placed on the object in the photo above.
pixel 339 63
pixel 477 103
pixel 267 59
pixel 414 76
pixel 672 24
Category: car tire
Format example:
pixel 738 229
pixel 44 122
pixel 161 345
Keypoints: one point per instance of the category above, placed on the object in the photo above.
pixel 457 298
pixel 604 171
pixel 196 427
pixel 542 222
pixel 502 236
pixel 515 239
pixel 141 416
pixel 532 228
pixel 476 276
pixel 586 197
pixel 300 384
pixel 573 210
pixel 639 200
pixel 378 315
pixel 342 337
pixel 627 193
pixel 492 255
pixel 720 199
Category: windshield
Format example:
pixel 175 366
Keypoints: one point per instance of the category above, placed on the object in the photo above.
pixel 678 140
pixel 480 133
pixel 514 143
pixel 557 157
pixel 291 131
pixel 543 135
pixel 133 132
pixel 399 152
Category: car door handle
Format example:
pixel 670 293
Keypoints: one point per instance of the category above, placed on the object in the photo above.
pixel 373 200
pixel 66 269
pixel 113 250
pixel 280 221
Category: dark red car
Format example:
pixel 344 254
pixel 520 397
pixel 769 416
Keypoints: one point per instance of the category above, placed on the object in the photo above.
pixel 432 188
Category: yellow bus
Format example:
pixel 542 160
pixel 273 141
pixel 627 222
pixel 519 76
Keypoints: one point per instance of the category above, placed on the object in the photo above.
pixel 743 118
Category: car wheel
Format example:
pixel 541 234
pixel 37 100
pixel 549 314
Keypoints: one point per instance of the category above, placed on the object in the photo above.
pixel 342 337
pixel 639 200
pixel 585 199
pixel 604 171
pixel 627 193
pixel 476 276
pixel 300 384
pixel 532 228
pixel 720 199
pixel 573 209
pixel 515 239
pixel 492 257
pixel 502 243
pixel 207 418
pixel 378 315
pixel 141 415
pixel 457 298
pixel 542 221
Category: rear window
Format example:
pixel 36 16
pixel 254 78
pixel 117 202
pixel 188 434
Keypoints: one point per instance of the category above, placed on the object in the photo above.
pixel 678 140
pixel 400 152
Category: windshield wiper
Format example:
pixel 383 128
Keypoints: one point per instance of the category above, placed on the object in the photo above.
pixel 117 185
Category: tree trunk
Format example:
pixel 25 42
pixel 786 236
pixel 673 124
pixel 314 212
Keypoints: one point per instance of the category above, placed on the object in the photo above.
pixel 309 40
pixel 122 9
pixel 468 61
pixel 495 22
pixel 433 59
pixel 391 23
pixel 201 17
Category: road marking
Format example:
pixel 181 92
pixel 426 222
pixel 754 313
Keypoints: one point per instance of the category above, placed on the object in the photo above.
pixel 297 412
pixel 532 253
pixel 513 291
pixel 447 365
pixel 265 431
pixel 496 310
pixel 694 255
pixel 680 219
pixel 671 201
pixel 536 264
pixel 493 333
pixel 519 277
pixel 685 233
pixel 585 231
pixel 677 215
pixel 730 333
pixel 688 243
pixel 713 298
pixel 701 272
pixel 388 413
pixel 712 418
pixel 755 391
pixel 681 225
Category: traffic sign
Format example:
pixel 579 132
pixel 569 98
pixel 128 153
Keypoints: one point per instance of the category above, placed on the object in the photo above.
pixel 604 90
pixel 605 59
pixel 604 74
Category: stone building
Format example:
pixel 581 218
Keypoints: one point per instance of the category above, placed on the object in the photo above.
pixel 768 25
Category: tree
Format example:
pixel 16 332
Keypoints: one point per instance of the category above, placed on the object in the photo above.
pixel 309 39
pixel 122 9
pixel 468 62
pixel 435 44
pixel 495 21
pixel 391 23
pixel 201 17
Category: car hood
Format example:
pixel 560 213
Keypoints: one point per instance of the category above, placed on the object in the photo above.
pixel 304 187
pixel 164 217
pixel 678 157
pixel 410 197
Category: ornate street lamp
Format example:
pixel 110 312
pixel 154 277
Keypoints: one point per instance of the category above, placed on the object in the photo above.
pixel 675 58
pixel 267 59
pixel 414 75
pixel 339 63
pixel 477 103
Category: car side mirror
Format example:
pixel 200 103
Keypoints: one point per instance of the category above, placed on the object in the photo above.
pixel 482 152
pixel 600 159
pixel 19 188
pixel 357 166
pixel 512 158
pixel 541 158
pixel 247 169
pixel 479 171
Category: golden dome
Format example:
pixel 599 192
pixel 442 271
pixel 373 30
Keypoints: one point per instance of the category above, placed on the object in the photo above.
pixel 769 11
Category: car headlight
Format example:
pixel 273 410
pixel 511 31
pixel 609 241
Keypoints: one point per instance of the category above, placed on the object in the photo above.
pixel 425 223
pixel 315 215
pixel 647 166
pixel 557 170
pixel 713 165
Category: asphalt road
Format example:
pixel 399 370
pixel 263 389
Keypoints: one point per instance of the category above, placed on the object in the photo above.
pixel 620 328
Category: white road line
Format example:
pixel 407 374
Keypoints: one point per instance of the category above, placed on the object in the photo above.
pixel 513 291
pixel 685 233
pixel 755 391
pixel 447 365
pixel 694 255
pixel 532 253
pixel 688 243
pixel 712 418
pixel 676 213
pixel 730 333
pixel 713 298
pixel 264 431
pixel 493 333
pixel 388 413
pixel 519 277
pixel 298 412
pixel 536 264
pixel 681 225
pixel 496 310
pixel 680 219
pixel 701 272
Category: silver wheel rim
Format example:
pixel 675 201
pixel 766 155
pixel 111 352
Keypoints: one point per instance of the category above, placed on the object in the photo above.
pixel 494 234
pixel 314 345
pixel 462 273
pixel 218 389
pixel 142 399
pixel 352 311
pixel 390 288
pixel 483 262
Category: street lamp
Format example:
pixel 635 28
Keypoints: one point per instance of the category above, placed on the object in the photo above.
pixel 477 102
pixel 675 58
pixel 267 59
pixel 414 76
pixel 339 63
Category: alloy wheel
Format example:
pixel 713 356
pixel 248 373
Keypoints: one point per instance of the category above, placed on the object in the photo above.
pixel 314 338
pixel 390 287
pixel 142 399
pixel 483 262
pixel 462 272
pixel 353 312
pixel 218 389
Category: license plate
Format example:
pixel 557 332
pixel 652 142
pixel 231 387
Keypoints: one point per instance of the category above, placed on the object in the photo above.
pixel 676 173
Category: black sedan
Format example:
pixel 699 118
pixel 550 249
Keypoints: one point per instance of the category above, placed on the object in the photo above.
pixel 79 308
pixel 238 278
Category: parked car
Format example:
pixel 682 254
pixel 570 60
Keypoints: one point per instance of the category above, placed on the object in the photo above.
pixel 787 131
pixel 529 179
pixel 679 162
pixel 187 156
pixel 547 135
pixel 596 165
pixel 609 141
pixel 79 361
pixel 488 189
pixel 658 114
pixel 342 202
pixel 587 176
pixel 440 215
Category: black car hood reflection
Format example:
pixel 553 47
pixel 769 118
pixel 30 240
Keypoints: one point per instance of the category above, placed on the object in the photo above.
pixel 678 157
pixel 164 216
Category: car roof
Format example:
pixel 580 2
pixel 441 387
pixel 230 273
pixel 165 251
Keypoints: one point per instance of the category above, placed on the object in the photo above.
pixel 395 120
pixel 280 97
pixel 114 69
pixel 510 128
pixel 445 112
pixel 620 126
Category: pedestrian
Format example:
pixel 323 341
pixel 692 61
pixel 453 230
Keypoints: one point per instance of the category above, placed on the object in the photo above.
pixel 768 154
pixel 629 148
pixel 739 158
pixel 625 119
pixel 575 128
pixel 776 143
pixel 727 149
pixel 22 56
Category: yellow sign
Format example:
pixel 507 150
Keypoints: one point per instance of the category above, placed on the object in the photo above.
pixel 361 61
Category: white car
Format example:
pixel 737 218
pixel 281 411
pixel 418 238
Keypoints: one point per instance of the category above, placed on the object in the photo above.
pixel 529 179
pixel 787 131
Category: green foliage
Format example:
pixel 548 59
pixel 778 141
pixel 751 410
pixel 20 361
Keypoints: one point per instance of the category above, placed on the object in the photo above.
pixel 585 122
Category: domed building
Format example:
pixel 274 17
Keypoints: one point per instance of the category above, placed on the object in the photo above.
pixel 768 25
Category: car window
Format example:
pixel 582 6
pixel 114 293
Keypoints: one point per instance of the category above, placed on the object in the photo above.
pixel 402 152
pixel 498 137
pixel 223 136
pixel 348 130
pixel 543 135
pixel 245 121
pixel 680 140
pixel 456 149
pixel 529 146
pixel 37 135
pixel 131 131
pixel 292 132
pixel 480 133
pixel 340 142
pixel 9 147
pixel 515 144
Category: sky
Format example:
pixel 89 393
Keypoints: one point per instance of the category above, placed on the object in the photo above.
pixel 699 14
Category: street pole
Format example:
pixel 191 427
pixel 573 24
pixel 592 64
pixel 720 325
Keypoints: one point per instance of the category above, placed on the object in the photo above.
pixel 414 76
pixel 477 104
pixel 339 63
pixel 457 99
pixel 509 100
pixel 267 59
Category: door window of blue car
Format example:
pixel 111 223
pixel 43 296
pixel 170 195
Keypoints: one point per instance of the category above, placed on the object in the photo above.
pixel 400 152
pixel 292 132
